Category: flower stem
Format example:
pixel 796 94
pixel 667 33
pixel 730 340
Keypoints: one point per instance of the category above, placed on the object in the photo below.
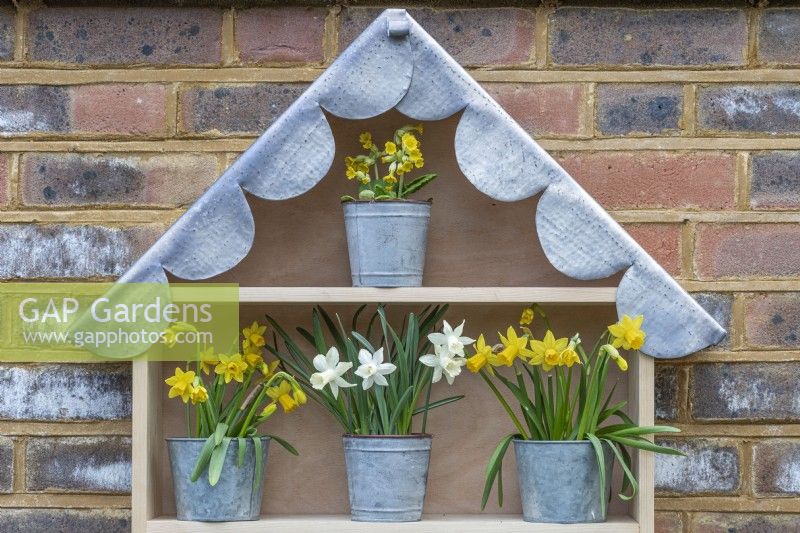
pixel 505 405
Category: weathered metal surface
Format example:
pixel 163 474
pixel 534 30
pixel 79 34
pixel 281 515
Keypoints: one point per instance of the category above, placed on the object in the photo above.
pixel 395 63
pixel 559 481
pixel 387 476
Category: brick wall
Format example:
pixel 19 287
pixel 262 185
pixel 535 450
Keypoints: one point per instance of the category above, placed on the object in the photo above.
pixel 684 123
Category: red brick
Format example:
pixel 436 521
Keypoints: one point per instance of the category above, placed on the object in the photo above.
pixel 490 36
pixel 661 241
pixel 773 321
pixel 634 180
pixel 119 108
pixel 668 522
pixel 281 35
pixel 542 109
pixel 58 179
pixel 744 523
pixel 747 251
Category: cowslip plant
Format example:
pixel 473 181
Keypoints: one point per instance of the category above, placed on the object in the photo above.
pixel 561 393
pixel 401 156
pixel 242 392
pixel 388 361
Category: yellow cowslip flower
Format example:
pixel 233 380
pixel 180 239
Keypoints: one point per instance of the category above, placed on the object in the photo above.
pixel 526 319
pixel 207 360
pixel 268 369
pixel 390 148
pixel 612 351
pixel 569 356
pixel 231 367
pixel 362 167
pixel 366 140
pixel 628 333
pixel 514 347
pixel 181 384
pixel 199 395
pixel 414 155
pixel 350 173
pixel 481 357
pixel 547 349
pixel 269 410
pixel 418 127
pixel 408 166
pixel 281 393
pixel 364 180
pixel 419 163
pixel 409 142
pixel 390 179
pixel 253 336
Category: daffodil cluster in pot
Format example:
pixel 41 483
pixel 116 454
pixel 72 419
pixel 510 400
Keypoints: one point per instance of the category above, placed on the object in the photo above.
pixel 387 233
pixel 376 382
pixel 568 431
pixel 218 469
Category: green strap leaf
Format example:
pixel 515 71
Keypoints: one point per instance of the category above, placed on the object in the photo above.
pixel 493 469
pixel 259 462
pixel 289 448
pixel 417 184
pixel 626 469
pixel 203 458
pixel 217 461
pixel 219 433
pixel 242 443
pixel 601 464
pixel 437 403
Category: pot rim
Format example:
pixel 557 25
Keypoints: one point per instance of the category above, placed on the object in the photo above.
pixel 531 441
pixel 203 439
pixel 392 201
pixel 410 436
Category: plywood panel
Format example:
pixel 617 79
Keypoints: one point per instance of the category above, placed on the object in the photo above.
pixel 465 433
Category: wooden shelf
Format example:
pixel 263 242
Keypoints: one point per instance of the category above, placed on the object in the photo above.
pixel 501 295
pixel 477 523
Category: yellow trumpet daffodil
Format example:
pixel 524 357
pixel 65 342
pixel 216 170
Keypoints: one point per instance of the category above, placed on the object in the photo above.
pixel 268 369
pixel 482 354
pixel 547 352
pixel 514 347
pixel 199 394
pixel 612 351
pixel 181 384
pixel 628 333
pixel 299 394
pixel 526 319
pixel 231 367
pixel 207 360
pixel 569 356
pixel 253 335
pixel 269 410
pixel 282 393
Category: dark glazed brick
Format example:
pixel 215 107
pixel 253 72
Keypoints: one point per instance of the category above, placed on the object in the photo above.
pixel 777 36
pixel 744 523
pixel 125 35
pixel 33 108
pixel 710 467
pixel 62 251
pixel 745 391
pixel 776 468
pixel 667 394
pixel 236 108
pixel 6 464
pixel 719 306
pixel 494 36
pixel 753 108
pixel 78 464
pixel 7 33
pixel 775 179
pixel 773 320
pixel 682 37
pixel 84 392
pixel 633 108
pixel 33 520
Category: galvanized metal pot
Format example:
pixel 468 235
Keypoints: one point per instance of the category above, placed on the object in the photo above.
pixel 233 498
pixel 387 476
pixel 559 481
pixel 387 240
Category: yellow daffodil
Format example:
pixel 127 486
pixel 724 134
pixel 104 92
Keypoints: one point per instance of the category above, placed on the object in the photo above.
pixel 268 369
pixel 299 394
pixel 181 384
pixel 366 140
pixel 269 410
pixel 199 394
pixel 628 333
pixel 282 393
pixel 231 367
pixel 481 357
pixel 253 336
pixel 547 352
pixel 390 148
pixel 207 360
pixel 569 356
pixel 612 351
pixel 410 142
pixel 253 359
pixel 514 347
pixel 526 319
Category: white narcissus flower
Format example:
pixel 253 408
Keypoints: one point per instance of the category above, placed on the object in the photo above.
pixel 451 339
pixel 330 372
pixel 443 363
pixel 373 369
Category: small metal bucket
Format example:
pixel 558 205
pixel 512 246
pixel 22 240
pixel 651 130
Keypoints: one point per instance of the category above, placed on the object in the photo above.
pixel 387 476
pixel 386 241
pixel 233 498
pixel 559 481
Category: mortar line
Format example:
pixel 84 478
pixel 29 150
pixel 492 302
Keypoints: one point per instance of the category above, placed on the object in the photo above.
pixel 20 31
pixel 14 187
pixel 743 181
pixel 541 33
pixel 688 116
pixel 590 111
pixel 684 409
pixel 753 25
pixel 20 464
pixel 737 334
pixel 330 37
pixel 687 242
pixel 230 55
pixel 172 109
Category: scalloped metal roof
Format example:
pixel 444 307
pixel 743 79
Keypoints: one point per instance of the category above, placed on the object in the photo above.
pixel 579 238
